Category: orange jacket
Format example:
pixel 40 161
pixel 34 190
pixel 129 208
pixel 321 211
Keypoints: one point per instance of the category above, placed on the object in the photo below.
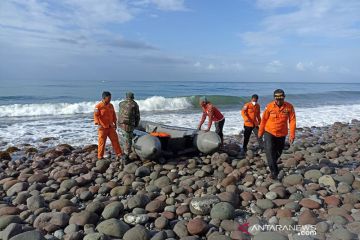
pixel 275 120
pixel 251 114
pixel 104 115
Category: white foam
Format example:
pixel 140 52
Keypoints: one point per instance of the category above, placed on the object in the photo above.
pixel 80 129
pixel 155 103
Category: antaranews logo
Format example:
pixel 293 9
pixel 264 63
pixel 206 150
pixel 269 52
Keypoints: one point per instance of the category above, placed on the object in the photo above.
pixel 302 230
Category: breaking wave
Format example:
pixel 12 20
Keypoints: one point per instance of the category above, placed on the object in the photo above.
pixel 155 103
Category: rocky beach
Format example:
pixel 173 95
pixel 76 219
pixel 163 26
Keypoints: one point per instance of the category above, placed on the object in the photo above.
pixel 63 192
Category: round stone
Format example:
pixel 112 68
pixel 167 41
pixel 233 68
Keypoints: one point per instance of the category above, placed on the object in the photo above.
pixel 222 210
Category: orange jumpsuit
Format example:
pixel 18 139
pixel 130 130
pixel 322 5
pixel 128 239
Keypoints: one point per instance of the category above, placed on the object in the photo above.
pixel 105 117
pixel 275 120
pixel 251 114
pixel 274 124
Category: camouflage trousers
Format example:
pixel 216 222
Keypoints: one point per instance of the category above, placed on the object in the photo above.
pixel 126 138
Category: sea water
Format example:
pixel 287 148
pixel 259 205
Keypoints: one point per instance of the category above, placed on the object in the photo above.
pixel 64 110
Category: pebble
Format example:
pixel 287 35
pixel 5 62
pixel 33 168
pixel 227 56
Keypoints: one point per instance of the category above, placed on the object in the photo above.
pixel 67 194
pixel 138 232
pixel 264 204
pixel 222 211
pixel 113 228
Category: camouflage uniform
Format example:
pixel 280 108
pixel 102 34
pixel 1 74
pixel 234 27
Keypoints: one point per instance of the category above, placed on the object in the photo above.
pixel 128 120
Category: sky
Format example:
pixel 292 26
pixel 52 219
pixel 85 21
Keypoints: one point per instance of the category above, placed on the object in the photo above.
pixel 180 40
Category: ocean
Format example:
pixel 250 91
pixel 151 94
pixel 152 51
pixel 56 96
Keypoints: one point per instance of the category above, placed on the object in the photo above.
pixel 64 110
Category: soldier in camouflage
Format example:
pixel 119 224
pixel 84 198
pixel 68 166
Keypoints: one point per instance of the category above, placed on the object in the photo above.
pixel 128 120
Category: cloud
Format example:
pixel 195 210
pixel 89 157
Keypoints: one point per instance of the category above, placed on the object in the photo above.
pixel 163 5
pixel 259 39
pixel 323 69
pixel 344 70
pixel 303 66
pixel 210 66
pixel 300 66
pixel 59 24
pixel 130 44
pixel 197 64
pixel 164 60
pixel 273 4
pixel 274 67
pixel 219 65
pixel 331 19
pixel 170 5
pixel 328 18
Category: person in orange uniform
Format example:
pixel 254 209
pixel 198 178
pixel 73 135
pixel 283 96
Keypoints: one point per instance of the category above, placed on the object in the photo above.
pixel 252 119
pixel 278 115
pixel 209 110
pixel 105 119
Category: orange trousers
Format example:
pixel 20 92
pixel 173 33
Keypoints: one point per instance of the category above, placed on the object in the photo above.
pixel 104 133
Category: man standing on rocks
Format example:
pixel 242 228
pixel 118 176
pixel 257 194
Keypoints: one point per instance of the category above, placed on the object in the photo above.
pixel 129 118
pixel 274 127
pixel 105 119
pixel 209 110
pixel 252 119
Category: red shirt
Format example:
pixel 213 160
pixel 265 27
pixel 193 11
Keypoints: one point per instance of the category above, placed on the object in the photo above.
pixel 212 112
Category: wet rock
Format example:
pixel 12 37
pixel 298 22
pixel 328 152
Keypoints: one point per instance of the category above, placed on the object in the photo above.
pixel 307 217
pixel 51 222
pixel 11 150
pixel 11 230
pixel 346 177
pixel 343 234
pixel 35 202
pixel 327 180
pixel 308 203
pixel 203 205
pixel 84 217
pixel 59 204
pixel 112 210
pixel 39 177
pixel 313 175
pixel 196 226
pixel 137 233
pixel 9 211
pixel 270 236
pixel 293 179
pixel 142 171
pixel 180 229
pixel 271 195
pixel 16 188
pixel 155 206
pixel 354 227
pixel 162 182
pixel 113 228
pixel 119 191
pixel 5 220
pixel 161 222
pixel 332 201
pixel 139 200
pixel 134 219
pixel 29 235
pixel 5 155
pixel 222 210
pixel 264 204
pixel 96 236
